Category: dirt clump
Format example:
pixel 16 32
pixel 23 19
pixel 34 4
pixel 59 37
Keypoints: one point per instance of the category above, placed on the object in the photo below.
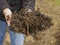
pixel 29 23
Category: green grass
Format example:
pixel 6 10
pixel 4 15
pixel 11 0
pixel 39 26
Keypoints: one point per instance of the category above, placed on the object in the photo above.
pixel 57 3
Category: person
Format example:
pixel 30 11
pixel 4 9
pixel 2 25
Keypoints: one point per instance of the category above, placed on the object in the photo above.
pixel 7 7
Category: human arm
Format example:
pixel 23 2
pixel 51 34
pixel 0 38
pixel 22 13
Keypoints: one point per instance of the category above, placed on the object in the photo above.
pixel 29 4
pixel 5 9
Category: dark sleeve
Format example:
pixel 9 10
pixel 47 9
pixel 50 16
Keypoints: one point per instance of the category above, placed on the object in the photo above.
pixel 29 4
pixel 3 4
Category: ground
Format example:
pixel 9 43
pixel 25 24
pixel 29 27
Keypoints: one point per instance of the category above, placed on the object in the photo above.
pixel 50 36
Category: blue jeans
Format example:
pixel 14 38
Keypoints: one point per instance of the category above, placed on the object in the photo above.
pixel 16 38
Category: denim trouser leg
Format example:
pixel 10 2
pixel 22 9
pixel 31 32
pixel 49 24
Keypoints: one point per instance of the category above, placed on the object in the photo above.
pixel 16 38
pixel 2 31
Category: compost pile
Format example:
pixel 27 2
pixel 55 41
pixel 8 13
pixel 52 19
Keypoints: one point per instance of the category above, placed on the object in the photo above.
pixel 29 23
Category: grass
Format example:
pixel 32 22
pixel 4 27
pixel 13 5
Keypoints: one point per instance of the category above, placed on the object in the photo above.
pixel 57 3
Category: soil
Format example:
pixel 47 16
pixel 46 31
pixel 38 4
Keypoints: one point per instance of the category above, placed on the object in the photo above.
pixel 30 23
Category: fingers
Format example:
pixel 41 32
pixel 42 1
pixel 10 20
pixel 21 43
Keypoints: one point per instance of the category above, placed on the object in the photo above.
pixel 29 10
pixel 8 19
pixel 7 13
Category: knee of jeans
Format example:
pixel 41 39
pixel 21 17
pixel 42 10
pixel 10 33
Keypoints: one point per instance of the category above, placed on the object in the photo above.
pixel 17 38
pixel 12 33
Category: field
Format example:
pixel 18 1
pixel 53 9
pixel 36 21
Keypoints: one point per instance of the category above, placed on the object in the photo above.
pixel 51 36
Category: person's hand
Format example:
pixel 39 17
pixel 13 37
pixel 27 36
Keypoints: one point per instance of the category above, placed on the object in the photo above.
pixel 7 13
